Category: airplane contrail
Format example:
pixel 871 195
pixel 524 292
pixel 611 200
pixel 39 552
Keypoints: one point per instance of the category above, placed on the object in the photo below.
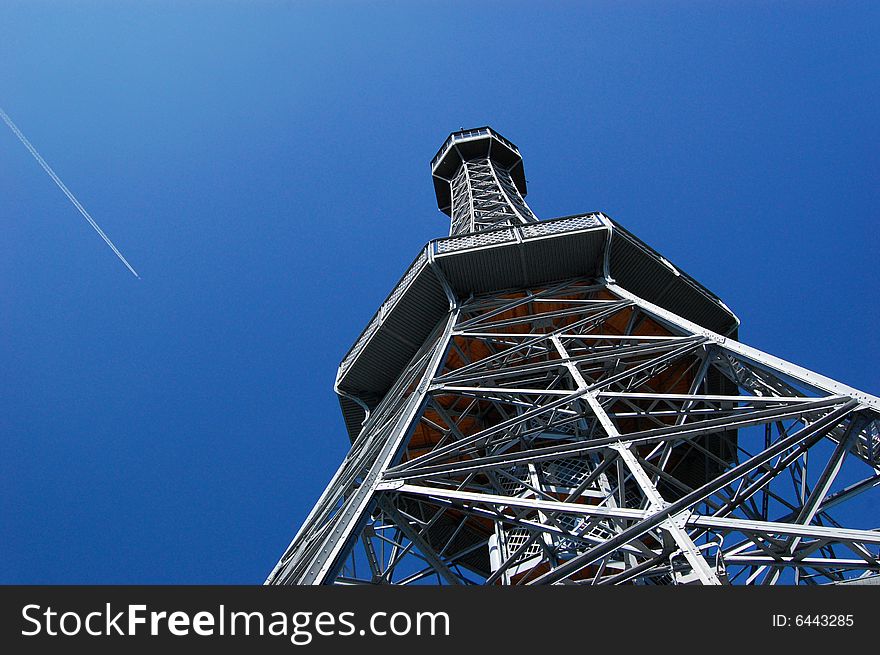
pixel 76 203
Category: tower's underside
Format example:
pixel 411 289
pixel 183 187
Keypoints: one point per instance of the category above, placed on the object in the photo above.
pixel 553 402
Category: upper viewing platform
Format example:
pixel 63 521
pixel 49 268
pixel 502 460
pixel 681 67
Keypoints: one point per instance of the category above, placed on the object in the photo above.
pixel 475 135
pixel 480 182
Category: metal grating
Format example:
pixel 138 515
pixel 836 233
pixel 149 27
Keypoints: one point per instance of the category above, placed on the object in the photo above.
pixel 568 472
pixel 516 538
pixel 513 486
pixel 475 240
pixel 414 269
pixel 585 222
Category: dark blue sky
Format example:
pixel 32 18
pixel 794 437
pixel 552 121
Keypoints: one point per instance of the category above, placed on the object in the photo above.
pixel 265 168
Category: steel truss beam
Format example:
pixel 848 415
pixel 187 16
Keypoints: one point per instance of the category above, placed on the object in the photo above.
pixel 576 433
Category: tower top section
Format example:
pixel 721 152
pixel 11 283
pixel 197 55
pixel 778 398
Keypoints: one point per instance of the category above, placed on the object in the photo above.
pixel 479 181
pixel 466 145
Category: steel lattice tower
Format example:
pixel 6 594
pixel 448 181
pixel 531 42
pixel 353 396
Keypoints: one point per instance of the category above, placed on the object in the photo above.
pixel 554 402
